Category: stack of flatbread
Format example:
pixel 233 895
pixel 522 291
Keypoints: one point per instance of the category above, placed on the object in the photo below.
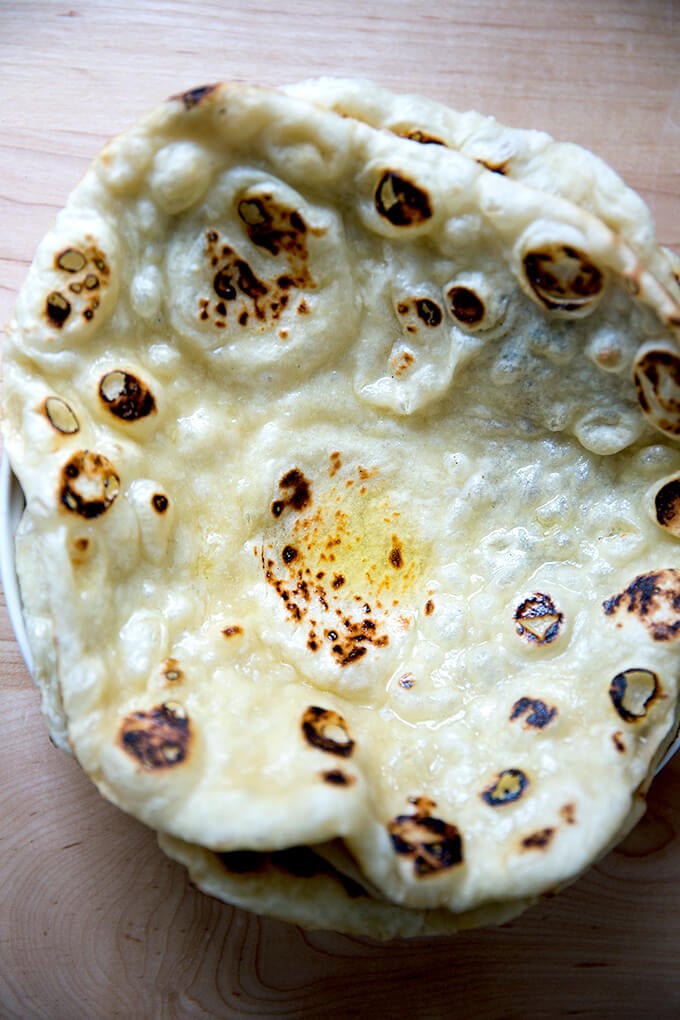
pixel 348 431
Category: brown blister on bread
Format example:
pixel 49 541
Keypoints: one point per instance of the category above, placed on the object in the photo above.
pixel 563 278
pixel 158 738
pixel 420 136
pixel 533 712
pixel 657 382
pixel 654 600
pixel 508 786
pixel 326 730
pixel 160 502
pixel 667 506
pixel 239 294
pixel 297 492
pixel 336 777
pixel 432 844
pixel 633 691
pixel 400 202
pixel 538 619
pixel 61 416
pixel 193 97
pixel 278 229
pixel 89 484
pixel 539 840
pixel 495 168
pixel 171 671
pixel 86 270
pixel 126 396
pixel 466 306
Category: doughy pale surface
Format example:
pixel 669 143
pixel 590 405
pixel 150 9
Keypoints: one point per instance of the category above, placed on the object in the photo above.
pixel 352 501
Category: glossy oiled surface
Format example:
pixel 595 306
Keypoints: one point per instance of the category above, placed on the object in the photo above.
pixel 94 922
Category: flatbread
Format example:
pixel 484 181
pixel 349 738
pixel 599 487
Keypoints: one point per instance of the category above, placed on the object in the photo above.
pixel 532 157
pixel 350 472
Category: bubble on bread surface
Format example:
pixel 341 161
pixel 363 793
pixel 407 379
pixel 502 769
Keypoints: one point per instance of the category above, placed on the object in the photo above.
pixel 180 175
pixel 83 277
pixel 652 600
pixel 326 730
pixel 431 845
pixel 539 840
pixel 507 787
pixel 61 416
pixel 633 691
pixel 657 382
pixel 195 96
pixel 401 202
pixel 538 619
pixel 666 506
pixel 534 713
pixel 125 395
pixel 89 484
pixel 564 279
pixel 158 738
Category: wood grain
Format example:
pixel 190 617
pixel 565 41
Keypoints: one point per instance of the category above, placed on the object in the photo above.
pixel 94 921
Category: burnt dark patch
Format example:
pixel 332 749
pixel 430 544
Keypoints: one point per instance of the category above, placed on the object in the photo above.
pixel 232 630
pixel 89 484
pixel 193 97
pixel 400 201
pixel 538 619
pixel 274 227
pixel 396 554
pixel 337 778
pixel 563 278
pixel 429 607
pixel 423 138
pixel 657 382
pixel 654 599
pixel 495 168
pixel 70 260
pixel 171 671
pixel 432 844
pixel 428 312
pixel 160 502
pixel 632 692
pixel 317 725
pixel 465 305
pixel 224 289
pixel 125 395
pixel 298 493
pixel 509 786
pixel 619 742
pixel 538 840
pixel 667 506
pixel 57 308
pixel 158 738
pixel 534 712
pixel 289 554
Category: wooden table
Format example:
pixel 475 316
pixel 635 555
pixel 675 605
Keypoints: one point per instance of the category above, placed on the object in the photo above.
pixel 94 921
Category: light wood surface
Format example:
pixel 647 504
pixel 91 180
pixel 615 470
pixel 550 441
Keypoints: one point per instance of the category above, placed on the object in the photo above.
pixel 94 921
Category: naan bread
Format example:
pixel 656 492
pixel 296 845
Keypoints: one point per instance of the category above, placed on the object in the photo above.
pixel 351 473
pixel 532 157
